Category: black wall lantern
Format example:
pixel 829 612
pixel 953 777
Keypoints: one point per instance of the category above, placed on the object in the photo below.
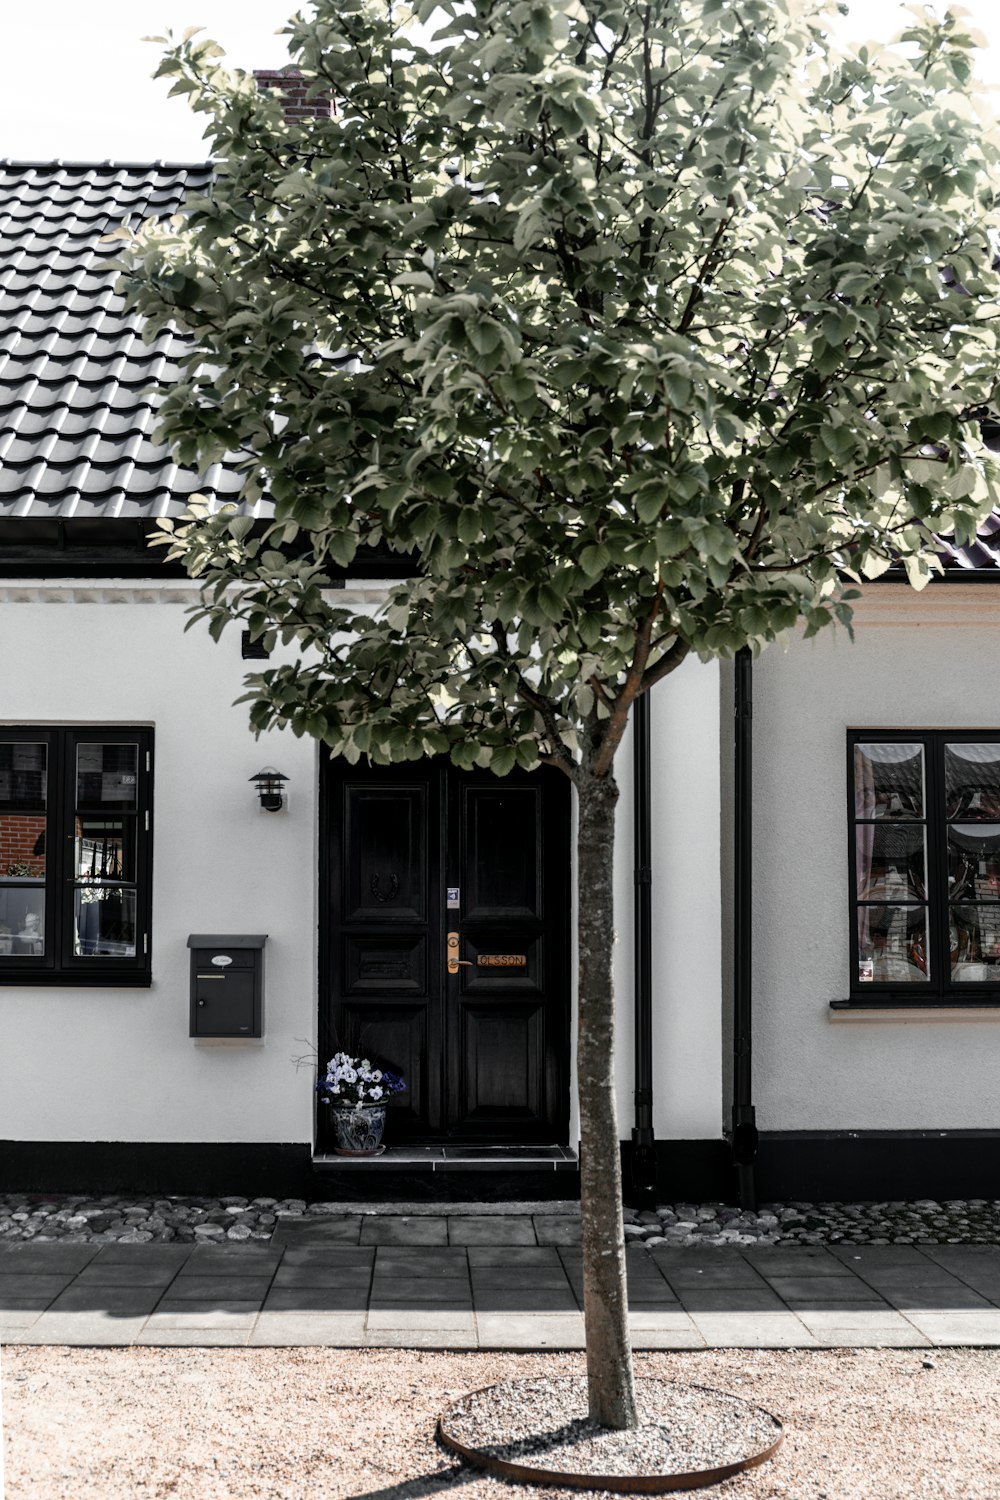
pixel 269 784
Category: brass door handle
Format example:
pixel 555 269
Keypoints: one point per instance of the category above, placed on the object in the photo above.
pixel 454 962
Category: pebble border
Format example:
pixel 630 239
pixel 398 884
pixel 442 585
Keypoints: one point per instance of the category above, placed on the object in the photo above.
pixel 188 1220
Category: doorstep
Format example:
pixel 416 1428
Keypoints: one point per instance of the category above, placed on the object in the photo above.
pixel 431 1159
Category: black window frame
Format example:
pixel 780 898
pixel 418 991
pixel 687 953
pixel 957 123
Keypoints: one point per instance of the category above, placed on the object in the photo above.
pixel 58 965
pixel 940 989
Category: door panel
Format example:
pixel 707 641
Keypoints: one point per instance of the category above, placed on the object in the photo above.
pixel 385 854
pixel 484 1050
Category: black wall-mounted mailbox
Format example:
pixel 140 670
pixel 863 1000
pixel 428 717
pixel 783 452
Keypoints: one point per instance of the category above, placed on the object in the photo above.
pixel 227 985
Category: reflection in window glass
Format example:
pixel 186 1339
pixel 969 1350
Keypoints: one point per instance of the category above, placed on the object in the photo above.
pixel 105 848
pixel 972 781
pixel 107 776
pixel 22 921
pixel 22 777
pixel 889 781
pixel 22 846
pixel 892 944
pixel 104 922
pixel 890 862
pixel 974 861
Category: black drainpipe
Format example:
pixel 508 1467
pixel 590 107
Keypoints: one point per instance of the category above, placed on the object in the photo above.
pixel 643 1141
pixel 744 1137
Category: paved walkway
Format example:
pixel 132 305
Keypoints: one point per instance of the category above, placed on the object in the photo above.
pixel 490 1282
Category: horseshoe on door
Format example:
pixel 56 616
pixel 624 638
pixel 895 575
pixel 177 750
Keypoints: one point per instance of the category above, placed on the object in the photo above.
pixel 377 892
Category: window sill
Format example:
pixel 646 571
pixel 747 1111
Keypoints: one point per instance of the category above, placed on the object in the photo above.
pixel 987 1009
pixel 12 980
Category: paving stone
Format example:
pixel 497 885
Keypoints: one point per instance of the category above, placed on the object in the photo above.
pixel 231 1260
pixel 495 1230
pixel 335 1255
pixel 447 1292
pixel 194 1337
pixel 320 1275
pixel 81 1329
pixel 296 1330
pixel 214 1314
pixel 340 1231
pixel 506 1330
pixel 948 1328
pixel 113 1301
pixel 527 1259
pixel 404 1231
pixel 225 1288
pixel 936 1299
pixel 765 1330
pixel 19 1291
pixel 417 1338
pixel 417 1260
pixel 556 1231
pixel 47 1260
pixel 735 1273
pixel 436 1320
pixel 542 1278
pixel 323 1299
pixel 497 1299
pixel 127 1273
pixel 730 1299
pixel 144 1255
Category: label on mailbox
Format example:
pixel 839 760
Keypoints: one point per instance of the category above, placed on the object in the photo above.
pixel 221 960
pixel 501 961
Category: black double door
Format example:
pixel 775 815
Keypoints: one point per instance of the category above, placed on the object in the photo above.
pixel 445 945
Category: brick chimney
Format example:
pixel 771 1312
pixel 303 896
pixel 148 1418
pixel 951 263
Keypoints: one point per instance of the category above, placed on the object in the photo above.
pixel 293 86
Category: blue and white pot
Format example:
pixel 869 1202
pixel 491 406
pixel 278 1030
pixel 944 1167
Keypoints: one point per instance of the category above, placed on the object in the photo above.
pixel 359 1129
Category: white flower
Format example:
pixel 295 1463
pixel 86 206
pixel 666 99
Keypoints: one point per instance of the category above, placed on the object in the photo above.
pixel 377 1076
pixel 365 1065
pixel 375 1093
pixel 348 1075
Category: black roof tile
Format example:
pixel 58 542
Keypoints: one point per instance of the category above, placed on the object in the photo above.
pixel 77 383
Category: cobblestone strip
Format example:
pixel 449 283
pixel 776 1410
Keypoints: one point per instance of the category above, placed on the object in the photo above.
pixel 958 1221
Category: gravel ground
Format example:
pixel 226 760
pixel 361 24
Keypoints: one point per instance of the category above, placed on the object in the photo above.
pixel 545 1424
pixel 188 1220
pixel 315 1424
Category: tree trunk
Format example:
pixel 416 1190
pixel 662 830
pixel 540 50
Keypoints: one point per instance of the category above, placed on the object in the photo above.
pixel 605 1302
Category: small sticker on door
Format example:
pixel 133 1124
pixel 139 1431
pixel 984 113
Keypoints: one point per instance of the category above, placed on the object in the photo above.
pixel 454 893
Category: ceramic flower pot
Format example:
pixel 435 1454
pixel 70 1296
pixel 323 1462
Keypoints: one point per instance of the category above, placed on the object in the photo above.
pixel 358 1130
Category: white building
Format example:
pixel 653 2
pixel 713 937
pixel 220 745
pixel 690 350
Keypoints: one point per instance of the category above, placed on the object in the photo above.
pixel 130 824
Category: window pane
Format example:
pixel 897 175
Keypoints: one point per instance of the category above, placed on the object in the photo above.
pixel 105 848
pixel 107 776
pixel 104 922
pixel 889 781
pixel 975 941
pixel 22 777
pixel 974 861
pixel 22 846
pixel 892 944
pixel 972 781
pixel 890 862
pixel 22 920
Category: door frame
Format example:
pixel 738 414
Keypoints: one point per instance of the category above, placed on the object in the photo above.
pixel 332 771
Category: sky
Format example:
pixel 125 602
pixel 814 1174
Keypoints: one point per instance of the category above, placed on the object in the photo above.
pixel 77 82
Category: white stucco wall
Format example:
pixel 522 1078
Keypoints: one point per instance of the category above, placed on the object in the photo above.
pixel 92 1063
pixel 687 1001
pixel 117 1064
pixel 918 661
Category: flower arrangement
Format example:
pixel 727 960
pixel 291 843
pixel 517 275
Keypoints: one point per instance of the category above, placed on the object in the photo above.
pixel 352 1082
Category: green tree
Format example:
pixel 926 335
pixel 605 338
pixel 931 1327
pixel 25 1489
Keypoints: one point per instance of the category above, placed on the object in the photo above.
pixel 644 326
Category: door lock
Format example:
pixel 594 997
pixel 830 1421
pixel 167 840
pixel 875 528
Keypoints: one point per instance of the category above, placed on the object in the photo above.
pixel 454 962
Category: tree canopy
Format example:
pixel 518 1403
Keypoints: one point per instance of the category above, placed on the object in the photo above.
pixel 644 327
